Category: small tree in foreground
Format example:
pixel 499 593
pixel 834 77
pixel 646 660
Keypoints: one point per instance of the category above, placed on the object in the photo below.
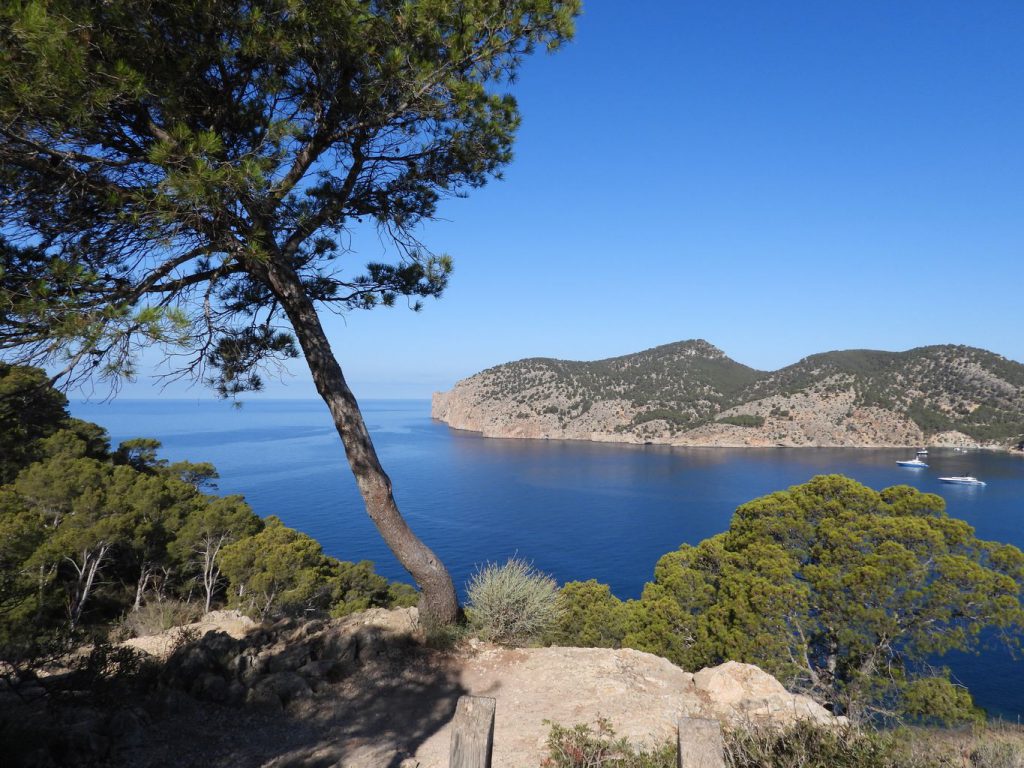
pixel 188 175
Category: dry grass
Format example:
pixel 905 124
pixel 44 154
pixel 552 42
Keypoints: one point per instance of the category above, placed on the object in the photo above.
pixel 154 618
pixel 996 745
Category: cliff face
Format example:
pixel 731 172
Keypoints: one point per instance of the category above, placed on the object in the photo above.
pixel 690 393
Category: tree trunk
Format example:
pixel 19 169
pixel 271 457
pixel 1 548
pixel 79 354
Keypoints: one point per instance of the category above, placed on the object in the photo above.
pixel 140 586
pixel 210 572
pixel 89 572
pixel 438 601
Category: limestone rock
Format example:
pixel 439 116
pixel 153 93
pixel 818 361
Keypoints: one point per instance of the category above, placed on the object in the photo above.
pixel 642 695
pixel 740 693
pixel 732 682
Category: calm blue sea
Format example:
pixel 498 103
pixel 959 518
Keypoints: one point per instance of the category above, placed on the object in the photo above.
pixel 576 510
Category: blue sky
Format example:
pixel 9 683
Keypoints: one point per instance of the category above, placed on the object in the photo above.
pixel 778 178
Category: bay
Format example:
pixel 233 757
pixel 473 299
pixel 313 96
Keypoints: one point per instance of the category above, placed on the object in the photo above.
pixel 577 510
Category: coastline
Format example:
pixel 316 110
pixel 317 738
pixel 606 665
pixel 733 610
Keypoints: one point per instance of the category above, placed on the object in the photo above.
pixel 618 440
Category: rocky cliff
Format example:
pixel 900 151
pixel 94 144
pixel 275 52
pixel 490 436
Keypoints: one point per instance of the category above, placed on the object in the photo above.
pixel 691 393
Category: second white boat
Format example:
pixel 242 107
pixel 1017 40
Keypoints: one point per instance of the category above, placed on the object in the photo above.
pixel 962 480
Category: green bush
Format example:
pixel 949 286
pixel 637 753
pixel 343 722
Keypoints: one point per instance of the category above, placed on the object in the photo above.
pixel 513 603
pixel 591 617
pixel 743 420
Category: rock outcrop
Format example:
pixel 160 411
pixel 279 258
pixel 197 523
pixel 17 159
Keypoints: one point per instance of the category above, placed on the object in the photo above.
pixel 643 696
pixel 365 691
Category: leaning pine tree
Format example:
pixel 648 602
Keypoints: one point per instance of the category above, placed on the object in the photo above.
pixel 186 174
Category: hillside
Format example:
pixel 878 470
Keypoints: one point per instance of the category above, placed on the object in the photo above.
pixel 691 393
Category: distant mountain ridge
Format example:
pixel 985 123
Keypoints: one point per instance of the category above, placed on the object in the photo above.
pixel 692 393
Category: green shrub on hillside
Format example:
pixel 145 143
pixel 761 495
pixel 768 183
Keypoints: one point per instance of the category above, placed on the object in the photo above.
pixel 590 616
pixel 742 420
pixel 92 537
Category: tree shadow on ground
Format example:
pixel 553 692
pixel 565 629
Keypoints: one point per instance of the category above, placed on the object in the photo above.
pixel 380 715
pixel 386 705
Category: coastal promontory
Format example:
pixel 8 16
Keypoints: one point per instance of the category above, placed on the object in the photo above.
pixel 690 393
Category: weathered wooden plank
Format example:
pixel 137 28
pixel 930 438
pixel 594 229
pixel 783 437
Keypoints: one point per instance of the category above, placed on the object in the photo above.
pixel 472 733
pixel 700 744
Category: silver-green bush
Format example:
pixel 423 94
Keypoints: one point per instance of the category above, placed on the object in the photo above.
pixel 512 603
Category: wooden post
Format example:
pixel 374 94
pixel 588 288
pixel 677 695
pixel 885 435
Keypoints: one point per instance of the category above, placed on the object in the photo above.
pixel 472 733
pixel 700 744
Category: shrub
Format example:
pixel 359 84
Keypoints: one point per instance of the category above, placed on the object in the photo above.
pixel 803 745
pixel 583 747
pixel 993 754
pixel 742 420
pixel 159 616
pixel 512 603
pixel 591 616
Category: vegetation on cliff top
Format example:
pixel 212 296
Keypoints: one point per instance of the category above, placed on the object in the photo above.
pixel 840 591
pixel 687 384
pixel 92 537
pixel 804 744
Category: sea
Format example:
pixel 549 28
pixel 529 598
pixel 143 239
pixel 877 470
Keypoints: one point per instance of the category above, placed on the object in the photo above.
pixel 576 510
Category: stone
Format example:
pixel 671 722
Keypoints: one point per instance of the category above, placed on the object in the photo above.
pixel 287 686
pixel 175 702
pixel 282 625
pixel 261 662
pixel 236 693
pixel 642 695
pixel 127 728
pixel 239 664
pixel 338 645
pixel 263 698
pixel 221 646
pixel 325 669
pixel 287 659
pixel 210 687
pixel 187 664
pixel 305 630
pixel 731 682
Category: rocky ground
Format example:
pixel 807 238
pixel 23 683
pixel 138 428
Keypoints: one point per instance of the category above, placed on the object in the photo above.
pixel 365 691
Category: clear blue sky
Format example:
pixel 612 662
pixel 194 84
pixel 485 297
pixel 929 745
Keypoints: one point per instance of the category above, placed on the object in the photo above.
pixel 778 178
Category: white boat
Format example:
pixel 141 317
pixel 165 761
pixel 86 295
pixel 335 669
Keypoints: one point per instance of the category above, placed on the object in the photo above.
pixel 922 452
pixel 913 464
pixel 962 480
